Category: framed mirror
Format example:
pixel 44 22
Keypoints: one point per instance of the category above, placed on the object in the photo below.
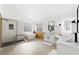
pixel 51 25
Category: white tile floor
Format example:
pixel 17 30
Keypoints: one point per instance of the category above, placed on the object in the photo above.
pixel 28 48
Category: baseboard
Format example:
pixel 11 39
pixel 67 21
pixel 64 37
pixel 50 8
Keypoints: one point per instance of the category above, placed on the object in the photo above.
pixel 10 43
pixel 20 40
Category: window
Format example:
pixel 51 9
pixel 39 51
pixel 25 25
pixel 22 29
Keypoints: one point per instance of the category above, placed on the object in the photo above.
pixel 27 27
pixel 11 26
pixel 39 27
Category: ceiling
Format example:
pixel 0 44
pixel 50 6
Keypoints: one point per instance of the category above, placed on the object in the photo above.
pixel 35 12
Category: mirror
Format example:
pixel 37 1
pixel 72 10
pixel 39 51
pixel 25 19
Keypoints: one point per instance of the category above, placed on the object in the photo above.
pixel 51 25
pixel 66 26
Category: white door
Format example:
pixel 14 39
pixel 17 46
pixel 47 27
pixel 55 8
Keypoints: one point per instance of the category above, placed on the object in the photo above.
pixel 9 30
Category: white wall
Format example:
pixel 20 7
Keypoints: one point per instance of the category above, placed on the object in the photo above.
pixel 39 13
pixel 12 13
pixel 1 6
pixel 57 20
pixel 33 12
pixel 70 14
pixel 20 27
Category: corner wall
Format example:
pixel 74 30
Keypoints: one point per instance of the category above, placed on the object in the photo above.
pixel 70 14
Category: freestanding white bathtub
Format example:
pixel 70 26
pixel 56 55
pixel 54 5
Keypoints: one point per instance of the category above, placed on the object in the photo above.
pixel 29 36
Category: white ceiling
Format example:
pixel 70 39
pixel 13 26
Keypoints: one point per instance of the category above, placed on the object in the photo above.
pixel 35 11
